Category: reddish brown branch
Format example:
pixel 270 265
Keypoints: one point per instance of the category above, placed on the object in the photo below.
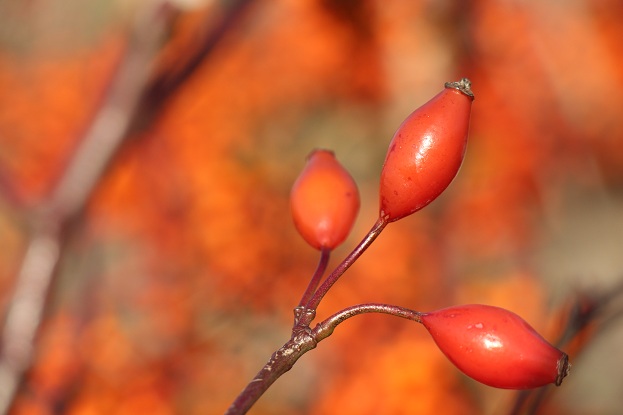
pixel 97 147
pixel 303 340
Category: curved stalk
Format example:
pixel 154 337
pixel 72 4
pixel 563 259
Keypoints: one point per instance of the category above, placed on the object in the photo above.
pixel 325 328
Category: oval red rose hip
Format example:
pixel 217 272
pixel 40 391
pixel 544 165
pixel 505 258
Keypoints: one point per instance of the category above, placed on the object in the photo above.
pixel 426 152
pixel 324 201
pixel 496 347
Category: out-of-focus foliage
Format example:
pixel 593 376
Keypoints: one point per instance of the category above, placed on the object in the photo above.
pixel 180 281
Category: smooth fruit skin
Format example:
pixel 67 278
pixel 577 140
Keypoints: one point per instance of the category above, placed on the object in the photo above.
pixel 324 201
pixel 426 152
pixel 496 347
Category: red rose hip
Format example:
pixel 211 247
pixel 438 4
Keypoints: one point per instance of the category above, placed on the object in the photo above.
pixel 426 152
pixel 324 201
pixel 496 347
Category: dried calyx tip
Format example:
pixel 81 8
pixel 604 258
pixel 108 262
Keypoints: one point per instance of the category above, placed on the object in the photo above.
pixel 464 85
pixel 563 368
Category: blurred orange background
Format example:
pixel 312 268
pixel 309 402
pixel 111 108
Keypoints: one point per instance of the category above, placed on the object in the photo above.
pixel 181 277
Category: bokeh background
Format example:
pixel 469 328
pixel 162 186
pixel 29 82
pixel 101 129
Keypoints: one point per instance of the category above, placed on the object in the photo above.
pixel 178 279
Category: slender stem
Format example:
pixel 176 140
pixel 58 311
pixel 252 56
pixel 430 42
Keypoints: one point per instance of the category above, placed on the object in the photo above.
pixel 325 254
pixel 348 261
pixel 325 328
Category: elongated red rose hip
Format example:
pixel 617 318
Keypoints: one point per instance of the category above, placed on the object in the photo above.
pixel 324 201
pixel 496 347
pixel 426 152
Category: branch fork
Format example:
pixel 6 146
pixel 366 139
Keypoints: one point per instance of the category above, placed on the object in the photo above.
pixel 304 338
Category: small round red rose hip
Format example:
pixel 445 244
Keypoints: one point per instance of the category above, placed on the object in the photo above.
pixel 426 152
pixel 324 201
pixel 496 347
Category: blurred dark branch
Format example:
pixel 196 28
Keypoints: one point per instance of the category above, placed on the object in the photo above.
pixel 172 78
pixel 588 315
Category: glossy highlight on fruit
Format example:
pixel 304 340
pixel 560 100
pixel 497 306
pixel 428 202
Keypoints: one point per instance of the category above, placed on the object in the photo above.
pixel 426 152
pixel 324 201
pixel 496 347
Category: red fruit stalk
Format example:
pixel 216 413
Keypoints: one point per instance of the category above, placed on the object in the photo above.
pixel 324 201
pixel 496 347
pixel 426 152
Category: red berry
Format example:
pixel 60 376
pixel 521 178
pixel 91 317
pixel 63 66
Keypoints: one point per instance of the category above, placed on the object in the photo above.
pixel 324 201
pixel 496 347
pixel 426 152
